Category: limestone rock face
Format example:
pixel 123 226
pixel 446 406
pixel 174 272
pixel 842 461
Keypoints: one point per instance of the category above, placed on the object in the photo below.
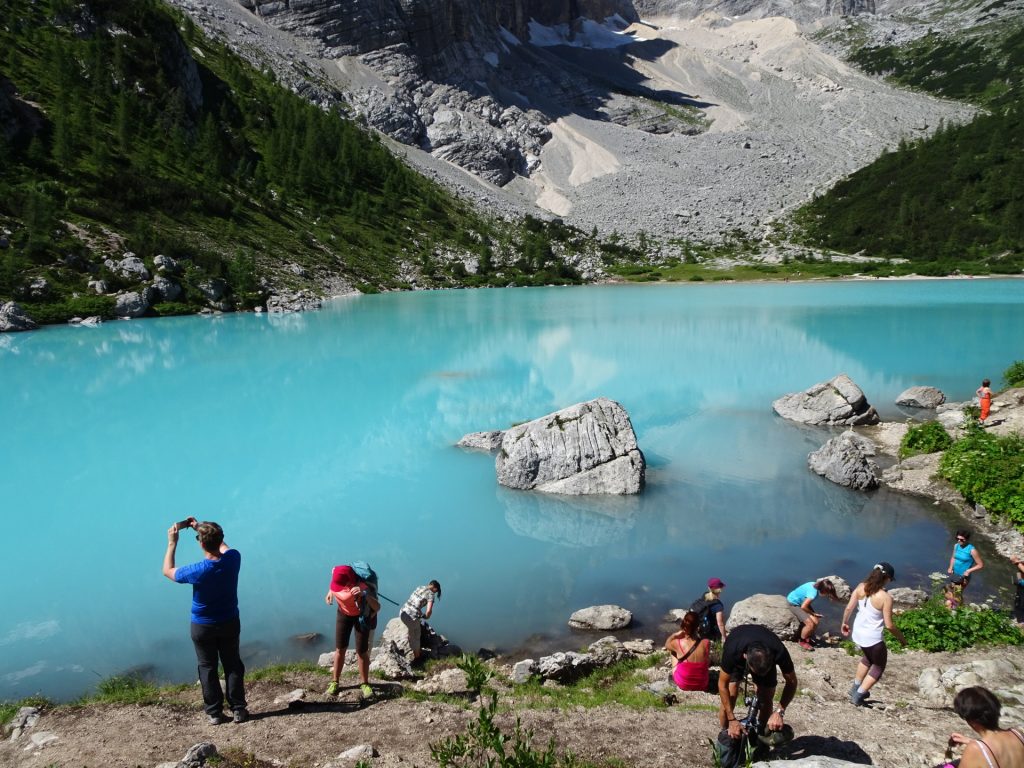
pixel 604 617
pixel 921 397
pixel 565 667
pixel 846 460
pixel 13 318
pixel 837 402
pixel 587 448
pixel 771 611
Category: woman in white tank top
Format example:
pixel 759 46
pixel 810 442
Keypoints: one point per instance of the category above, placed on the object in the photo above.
pixel 874 612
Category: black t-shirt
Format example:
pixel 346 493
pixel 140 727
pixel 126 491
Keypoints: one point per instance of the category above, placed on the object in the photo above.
pixel 741 638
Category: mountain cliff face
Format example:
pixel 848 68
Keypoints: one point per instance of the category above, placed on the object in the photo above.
pixel 454 77
pixel 798 10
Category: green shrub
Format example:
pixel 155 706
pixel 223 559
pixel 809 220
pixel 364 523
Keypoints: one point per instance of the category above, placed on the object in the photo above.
pixel 477 673
pixel 924 438
pixel 1014 375
pixel 81 306
pixel 933 627
pixel 484 743
pixel 988 469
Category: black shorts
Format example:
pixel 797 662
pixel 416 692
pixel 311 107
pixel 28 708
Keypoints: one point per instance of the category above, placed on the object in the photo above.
pixel 343 626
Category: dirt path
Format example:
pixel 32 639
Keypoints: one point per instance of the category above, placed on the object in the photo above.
pixel 898 731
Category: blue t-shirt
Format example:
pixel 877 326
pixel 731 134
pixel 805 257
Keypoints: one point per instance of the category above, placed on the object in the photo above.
pixel 214 587
pixel 801 593
pixel 962 558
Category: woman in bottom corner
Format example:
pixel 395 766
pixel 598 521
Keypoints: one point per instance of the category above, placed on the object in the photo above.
pixel 874 614
pixel 994 747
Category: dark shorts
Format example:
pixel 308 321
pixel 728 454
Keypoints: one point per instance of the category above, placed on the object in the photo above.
pixel 343 626
pixel 876 655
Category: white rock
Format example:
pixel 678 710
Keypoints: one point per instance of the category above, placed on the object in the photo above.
pixel 771 611
pixel 921 397
pixel 601 617
pixel 835 402
pixel 587 448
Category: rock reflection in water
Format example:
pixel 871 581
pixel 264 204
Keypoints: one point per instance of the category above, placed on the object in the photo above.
pixel 569 520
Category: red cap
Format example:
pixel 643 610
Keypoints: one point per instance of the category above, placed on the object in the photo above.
pixel 342 577
pixel 715 583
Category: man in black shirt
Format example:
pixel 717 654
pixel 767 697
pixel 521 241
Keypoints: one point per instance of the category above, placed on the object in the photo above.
pixel 757 650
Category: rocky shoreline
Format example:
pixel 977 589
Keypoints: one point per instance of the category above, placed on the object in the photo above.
pixel 293 723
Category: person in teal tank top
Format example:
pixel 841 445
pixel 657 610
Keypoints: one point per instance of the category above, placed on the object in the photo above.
pixel 801 606
pixel 964 561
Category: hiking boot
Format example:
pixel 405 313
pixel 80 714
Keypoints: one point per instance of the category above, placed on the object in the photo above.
pixel 217 718
pixel 806 645
pixel 332 689
pixel 853 689
pixel 241 715
pixel 366 690
pixel 857 698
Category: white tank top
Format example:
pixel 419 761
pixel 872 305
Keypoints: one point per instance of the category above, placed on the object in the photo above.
pixel 867 626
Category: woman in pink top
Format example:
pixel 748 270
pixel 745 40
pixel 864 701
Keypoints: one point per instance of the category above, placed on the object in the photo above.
pixel 692 655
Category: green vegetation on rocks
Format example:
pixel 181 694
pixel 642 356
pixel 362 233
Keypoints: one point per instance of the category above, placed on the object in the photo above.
pixel 988 469
pixel 924 438
pixel 953 202
pixel 1014 374
pixel 124 129
pixel 933 627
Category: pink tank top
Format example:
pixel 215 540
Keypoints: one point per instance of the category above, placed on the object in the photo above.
pixel 692 675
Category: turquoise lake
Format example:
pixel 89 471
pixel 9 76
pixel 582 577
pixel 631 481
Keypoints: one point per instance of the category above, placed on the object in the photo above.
pixel 325 437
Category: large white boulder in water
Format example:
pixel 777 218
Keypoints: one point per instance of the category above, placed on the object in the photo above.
pixel 837 402
pixel 846 460
pixel 583 449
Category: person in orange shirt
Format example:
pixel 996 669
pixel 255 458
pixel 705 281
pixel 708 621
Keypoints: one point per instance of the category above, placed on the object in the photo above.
pixel 984 394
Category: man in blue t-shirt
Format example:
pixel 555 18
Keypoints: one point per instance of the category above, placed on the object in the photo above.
pixel 215 624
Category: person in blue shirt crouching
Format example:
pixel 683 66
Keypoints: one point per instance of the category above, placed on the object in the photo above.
pixel 215 624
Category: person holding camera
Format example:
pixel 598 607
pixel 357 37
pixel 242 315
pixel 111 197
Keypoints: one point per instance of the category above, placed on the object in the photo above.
pixel 980 709
pixel 756 650
pixel 215 623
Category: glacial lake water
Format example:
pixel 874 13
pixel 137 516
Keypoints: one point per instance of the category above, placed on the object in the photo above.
pixel 320 438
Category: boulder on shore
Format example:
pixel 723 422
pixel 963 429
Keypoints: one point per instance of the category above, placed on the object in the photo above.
pixel 921 397
pixel 837 402
pixel 587 448
pixel 846 460
pixel 771 611
pixel 13 318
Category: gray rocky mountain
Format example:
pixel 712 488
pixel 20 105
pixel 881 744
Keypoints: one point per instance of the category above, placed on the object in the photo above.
pixel 712 121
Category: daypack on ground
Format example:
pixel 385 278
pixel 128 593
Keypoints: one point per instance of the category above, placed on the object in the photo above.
pixel 706 624
pixel 367 616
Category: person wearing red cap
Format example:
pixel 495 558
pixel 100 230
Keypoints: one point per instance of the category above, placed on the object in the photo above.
pixel 714 602
pixel 349 592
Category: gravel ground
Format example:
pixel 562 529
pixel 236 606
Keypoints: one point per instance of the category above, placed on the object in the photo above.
pixel 897 730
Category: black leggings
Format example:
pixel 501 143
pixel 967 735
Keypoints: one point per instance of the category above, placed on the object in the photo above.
pixel 875 658
pixel 343 626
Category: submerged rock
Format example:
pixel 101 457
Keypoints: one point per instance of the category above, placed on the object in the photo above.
pixel 921 397
pixel 846 461
pixel 837 402
pixel 587 448
pixel 482 441
pixel 601 617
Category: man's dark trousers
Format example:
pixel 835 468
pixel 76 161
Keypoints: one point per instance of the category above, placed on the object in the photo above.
pixel 213 641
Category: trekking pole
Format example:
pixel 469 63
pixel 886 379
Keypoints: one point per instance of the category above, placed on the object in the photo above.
pixel 385 597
